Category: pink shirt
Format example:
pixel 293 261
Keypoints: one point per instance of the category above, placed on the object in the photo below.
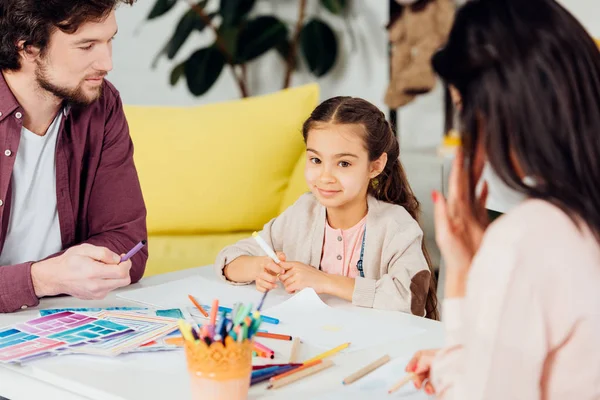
pixel 529 324
pixel 341 249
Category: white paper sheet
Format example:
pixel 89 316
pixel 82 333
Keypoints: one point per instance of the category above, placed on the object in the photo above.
pixel 304 315
pixel 376 385
pixel 175 294
pixel 307 316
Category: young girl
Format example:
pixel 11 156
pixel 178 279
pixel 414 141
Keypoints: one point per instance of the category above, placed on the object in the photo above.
pixel 355 236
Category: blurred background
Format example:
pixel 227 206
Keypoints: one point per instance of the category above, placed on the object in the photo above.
pixel 170 55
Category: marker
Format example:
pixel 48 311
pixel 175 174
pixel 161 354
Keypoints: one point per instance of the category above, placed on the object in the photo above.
pixel 268 320
pixel 133 251
pixel 213 318
pixel 263 245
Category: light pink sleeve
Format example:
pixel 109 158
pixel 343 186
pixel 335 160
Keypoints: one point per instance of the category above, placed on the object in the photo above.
pixel 498 327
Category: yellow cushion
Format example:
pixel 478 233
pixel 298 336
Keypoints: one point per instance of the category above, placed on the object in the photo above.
pixel 173 253
pixel 297 186
pixel 219 167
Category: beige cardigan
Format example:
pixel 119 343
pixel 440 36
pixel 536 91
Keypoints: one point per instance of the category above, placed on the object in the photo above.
pixel 396 272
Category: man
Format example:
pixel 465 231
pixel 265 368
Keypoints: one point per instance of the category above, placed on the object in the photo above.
pixel 70 199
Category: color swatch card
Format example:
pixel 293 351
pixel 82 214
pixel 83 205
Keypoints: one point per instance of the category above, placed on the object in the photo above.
pixel 88 310
pixel 16 345
pixel 39 336
pixel 145 328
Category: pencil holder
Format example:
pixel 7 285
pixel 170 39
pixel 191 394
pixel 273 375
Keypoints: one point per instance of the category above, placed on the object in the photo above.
pixel 219 372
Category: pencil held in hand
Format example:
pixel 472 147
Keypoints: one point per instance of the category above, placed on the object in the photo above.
pixel 402 382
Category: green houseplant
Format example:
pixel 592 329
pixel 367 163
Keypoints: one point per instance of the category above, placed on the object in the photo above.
pixel 241 37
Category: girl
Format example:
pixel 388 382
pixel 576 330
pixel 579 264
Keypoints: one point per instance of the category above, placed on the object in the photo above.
pixel 355 236
pixel 522 301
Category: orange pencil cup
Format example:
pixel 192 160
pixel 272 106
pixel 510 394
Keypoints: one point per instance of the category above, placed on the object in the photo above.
pixel 219 372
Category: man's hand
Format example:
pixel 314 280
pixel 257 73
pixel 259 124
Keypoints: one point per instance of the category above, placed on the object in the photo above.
pixel 87 272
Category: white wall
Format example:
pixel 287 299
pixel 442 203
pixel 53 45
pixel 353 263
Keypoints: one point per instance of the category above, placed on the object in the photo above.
pixel 421 123
pixel 361 69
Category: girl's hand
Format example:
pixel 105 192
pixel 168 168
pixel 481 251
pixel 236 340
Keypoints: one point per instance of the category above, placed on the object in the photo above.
pixel 268 272
pixel 299 276
pixel 420 365
pixel 459 228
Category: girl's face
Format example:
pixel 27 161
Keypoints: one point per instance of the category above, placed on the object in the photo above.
pixel 338 170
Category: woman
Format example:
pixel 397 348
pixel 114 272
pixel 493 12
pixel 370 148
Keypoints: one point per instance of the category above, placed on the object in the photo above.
pixel 522 307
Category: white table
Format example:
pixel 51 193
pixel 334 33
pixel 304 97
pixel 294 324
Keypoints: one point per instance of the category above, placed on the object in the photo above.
pixel 163 375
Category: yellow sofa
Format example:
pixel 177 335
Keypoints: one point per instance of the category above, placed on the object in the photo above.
pixel 213 174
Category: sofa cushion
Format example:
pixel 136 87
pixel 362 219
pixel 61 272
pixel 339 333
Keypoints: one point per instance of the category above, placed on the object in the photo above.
pixel 297 186
pixel 176 252
pixel 219 167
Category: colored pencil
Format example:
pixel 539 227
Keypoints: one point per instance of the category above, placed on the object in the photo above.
pixel 366 370
pixel 402 382
pixel 266 377
pixel 294 351
pixel 300 375
pixel 329 353
pixel 257 367
pixel 302 368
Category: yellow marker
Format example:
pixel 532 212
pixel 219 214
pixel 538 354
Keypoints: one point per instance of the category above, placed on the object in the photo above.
pixel 328 353
pixel 186 330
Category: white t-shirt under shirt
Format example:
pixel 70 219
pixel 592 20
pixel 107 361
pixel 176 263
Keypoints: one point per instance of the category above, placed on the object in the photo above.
pixel 33 229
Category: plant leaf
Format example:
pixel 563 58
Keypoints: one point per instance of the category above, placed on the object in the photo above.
pixel 337 7
pixel 284 49
pixel 202 69
pixel 176 73
pixel 259 36
pixel 190 21
pixel 161 7
pixel 319 47
pixel 229 36
pixel 234 11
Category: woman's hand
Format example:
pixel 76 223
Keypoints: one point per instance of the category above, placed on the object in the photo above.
pixel 298 276
pixel 460 223
pixel 420 366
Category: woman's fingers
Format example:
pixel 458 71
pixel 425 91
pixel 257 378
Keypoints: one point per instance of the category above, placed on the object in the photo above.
pixel 441 220
pixel 412 364
pixel 419 379
pixel 428 387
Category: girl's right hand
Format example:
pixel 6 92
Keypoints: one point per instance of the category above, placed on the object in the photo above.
pixel 420 365
pixel 268 272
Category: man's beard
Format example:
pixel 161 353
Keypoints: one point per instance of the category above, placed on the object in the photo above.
pixel 75 97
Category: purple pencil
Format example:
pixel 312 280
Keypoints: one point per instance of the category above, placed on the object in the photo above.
pixel 133 251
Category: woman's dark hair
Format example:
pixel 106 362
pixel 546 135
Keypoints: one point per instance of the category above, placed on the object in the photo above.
pixel 32 21
pixel 529 78
pixel 391 185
